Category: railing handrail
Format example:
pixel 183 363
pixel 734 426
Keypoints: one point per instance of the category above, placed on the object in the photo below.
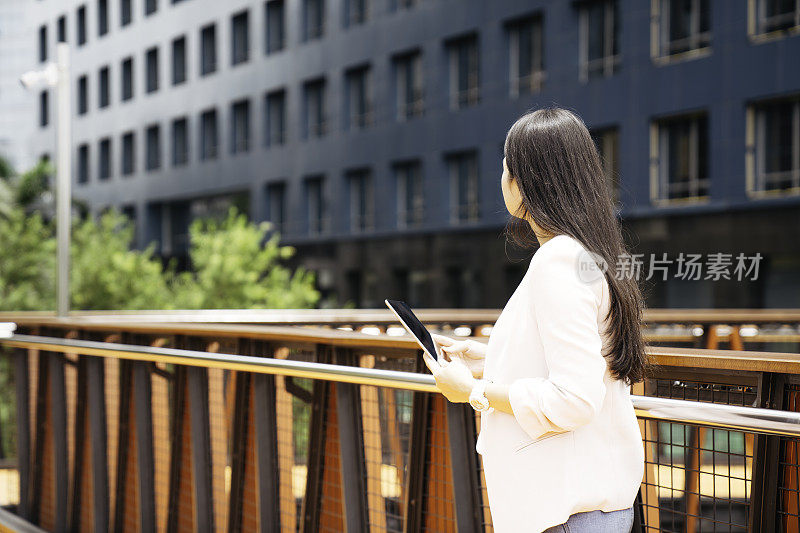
pixel 742 360
pixel 748 419
pixel 380 316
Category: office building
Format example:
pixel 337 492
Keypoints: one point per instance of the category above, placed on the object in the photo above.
pixel 370 131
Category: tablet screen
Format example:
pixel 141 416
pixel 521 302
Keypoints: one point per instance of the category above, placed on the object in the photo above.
pixel 413 324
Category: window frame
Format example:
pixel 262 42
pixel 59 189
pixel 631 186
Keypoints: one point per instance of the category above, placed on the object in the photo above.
pixel 660 42
pixel 755 148
pixel 610 62
pixel 660 192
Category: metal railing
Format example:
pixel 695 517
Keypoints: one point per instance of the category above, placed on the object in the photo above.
pixel 751 419
pixel 131 423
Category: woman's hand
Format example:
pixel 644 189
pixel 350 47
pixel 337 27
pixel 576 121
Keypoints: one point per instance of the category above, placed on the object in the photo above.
pixel 453 378
pixel 471 352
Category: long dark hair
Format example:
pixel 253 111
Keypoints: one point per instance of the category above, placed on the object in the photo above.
pixel 553 160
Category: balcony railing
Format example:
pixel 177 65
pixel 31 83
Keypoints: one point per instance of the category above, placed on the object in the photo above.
pixel 212 420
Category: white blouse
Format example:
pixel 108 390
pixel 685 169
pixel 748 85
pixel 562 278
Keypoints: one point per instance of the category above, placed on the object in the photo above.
pixel 573 443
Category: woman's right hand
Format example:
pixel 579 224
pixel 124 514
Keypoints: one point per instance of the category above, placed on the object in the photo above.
pixel 471 352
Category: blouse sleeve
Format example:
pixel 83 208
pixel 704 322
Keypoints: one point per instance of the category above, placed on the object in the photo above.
pixel 565 308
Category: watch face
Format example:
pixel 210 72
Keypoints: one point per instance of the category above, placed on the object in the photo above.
pixel 479 404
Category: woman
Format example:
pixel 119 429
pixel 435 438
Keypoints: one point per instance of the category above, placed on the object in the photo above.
pixel 560 442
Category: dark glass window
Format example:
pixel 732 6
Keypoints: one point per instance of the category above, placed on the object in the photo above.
pixel 464 73
pixel 83 95
pixel 125 12
pixel 127 78
pixel 153 147
pixel 128 165
pixel 240 126
pixel 463 170
pixel 81 25
pixel 42 44
pixel 61 29
pixel 208 49
pixel 180 142
pixel 315 205
pixel 356 12
pixel 410 196
pixel 151 64
pixel 314 108
pixel 362 208
pixel 102 17
pixel 777 15
pixel 607 142
pixel 683 157
pixel 777 148
pixel 276 205
pixel 358 107
pixel 104 159
pixel 240 38
pixel 103 91
pixel 684 26
pixel 275 25
pixel 83 163
pixel 209 139
pixel 526 55
pixel 313 19
pixel 44 109
pixel 275 120
pixel 150 7
pixel 179 60
pixel 599 34
pixel 408 85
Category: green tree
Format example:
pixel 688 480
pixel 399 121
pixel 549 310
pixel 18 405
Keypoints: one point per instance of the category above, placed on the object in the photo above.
pixel 6 170
pixel 33 188
pixel 108 274
pixel 27 262
pixel 235 264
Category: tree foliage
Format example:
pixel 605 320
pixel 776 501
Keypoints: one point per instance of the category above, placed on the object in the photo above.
pixel 108 274
pixel 235 264
pixel 27 262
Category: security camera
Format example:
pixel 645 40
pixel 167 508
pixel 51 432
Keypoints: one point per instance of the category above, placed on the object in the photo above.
pixel 31 79
pixel 38 78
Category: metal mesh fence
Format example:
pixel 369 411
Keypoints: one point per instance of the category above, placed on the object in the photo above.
pixel 386 421
pixel 293 420
pixel 331 501
pixel 439 513
pixel 486 515
pixel 788 500
pixel 9 474
pixel 696 478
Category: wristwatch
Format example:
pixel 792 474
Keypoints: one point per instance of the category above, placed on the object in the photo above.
pixel 477 398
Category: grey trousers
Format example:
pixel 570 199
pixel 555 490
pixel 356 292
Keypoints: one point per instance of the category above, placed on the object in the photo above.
pixel 620 521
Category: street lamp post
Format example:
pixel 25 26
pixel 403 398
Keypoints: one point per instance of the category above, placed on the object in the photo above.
pixel 57 75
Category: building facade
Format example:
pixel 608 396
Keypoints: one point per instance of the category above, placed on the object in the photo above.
pixel 16 107
pixel 370 131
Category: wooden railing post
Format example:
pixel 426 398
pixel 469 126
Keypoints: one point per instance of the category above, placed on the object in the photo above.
pixel 464 466
pixel 316 449
pixel 22 378
pixel 415 477
pixel 50 471
pixel 351 448
pixel 266 443
pixel 766 459
pixel 197 389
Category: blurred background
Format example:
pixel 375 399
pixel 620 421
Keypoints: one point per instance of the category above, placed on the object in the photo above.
pixel 370 132
pixel 283 155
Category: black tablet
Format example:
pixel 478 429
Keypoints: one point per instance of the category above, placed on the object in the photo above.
pixel 414 326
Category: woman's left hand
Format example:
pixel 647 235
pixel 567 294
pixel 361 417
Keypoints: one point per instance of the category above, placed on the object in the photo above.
pixel 454 379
